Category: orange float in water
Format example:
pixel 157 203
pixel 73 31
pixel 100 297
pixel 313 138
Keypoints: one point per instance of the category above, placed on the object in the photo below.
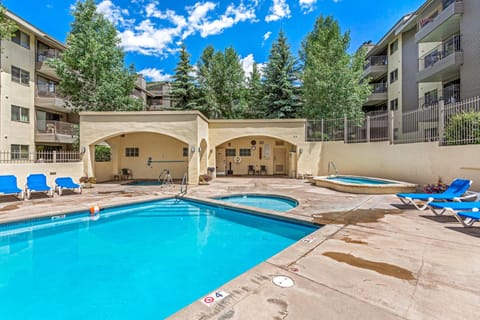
pixel 94 210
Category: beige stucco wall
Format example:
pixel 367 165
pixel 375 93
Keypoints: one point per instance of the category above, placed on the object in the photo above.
pixel 262 155
pixel 51 170
pixel 420 163
pixel 184 127
pixel 13 132
pixel 241 132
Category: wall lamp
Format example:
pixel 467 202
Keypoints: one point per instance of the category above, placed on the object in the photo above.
pixel 300 150
pixel 192 149
pixel 199 149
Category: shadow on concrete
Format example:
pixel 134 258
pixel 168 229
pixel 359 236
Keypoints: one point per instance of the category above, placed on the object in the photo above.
pixel 441 219
pixel 472 231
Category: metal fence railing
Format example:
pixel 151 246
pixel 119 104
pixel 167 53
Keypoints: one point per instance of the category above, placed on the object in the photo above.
pixel 462 122
pixel 40 156
pixel 448 123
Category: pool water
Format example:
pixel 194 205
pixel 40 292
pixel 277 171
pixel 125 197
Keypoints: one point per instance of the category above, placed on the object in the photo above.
pixel 269 202
pixel 142 261
pixel 359 180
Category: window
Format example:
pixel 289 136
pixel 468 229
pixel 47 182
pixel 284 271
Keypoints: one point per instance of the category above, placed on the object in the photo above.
pixel 230 152
pixel 20 114
pixel 431 97
pixel 393 47
pixel 394 104
pixel 20 76
pixel 394 76
pixel 21 38
pixel 247 152
pixel 131 152
pixel 185 152
pixel 19 151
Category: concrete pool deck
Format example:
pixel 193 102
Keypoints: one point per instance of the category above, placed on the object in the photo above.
pixel 374 258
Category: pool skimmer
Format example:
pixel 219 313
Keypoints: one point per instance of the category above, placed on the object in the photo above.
pixel 283 281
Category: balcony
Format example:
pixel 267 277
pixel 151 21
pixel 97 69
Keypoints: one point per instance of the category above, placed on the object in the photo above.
pixel 447 22
pixel 49 131
pixel 42 66
pixel 47 97
pixel 442 62
pixel 375 66
pixel 379 94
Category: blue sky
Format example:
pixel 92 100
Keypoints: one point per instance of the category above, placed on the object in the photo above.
pixel 151 30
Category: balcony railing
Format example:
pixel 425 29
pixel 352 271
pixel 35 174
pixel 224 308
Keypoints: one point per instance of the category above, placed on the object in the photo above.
pixel 56 127
pixel 48 91
pixel 43 55
pixel 448 47
pixel 39 156
pixel 380 87
pixel 375 61
pixel 423 22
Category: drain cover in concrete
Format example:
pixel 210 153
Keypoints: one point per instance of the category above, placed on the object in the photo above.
pixel 282 281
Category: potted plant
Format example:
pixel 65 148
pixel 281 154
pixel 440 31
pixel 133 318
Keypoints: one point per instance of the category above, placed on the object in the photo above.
pixel 87 182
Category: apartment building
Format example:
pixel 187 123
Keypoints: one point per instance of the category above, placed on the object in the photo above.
pixel 431 54
pixel 449 50
pixel 33 116
pixel 160 97
pixel 389 62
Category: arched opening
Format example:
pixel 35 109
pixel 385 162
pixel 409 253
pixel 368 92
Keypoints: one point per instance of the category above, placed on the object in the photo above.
pixel 256 156
pixel 142 156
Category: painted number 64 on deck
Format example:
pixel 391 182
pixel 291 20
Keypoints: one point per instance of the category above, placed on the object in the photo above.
pixel 214 297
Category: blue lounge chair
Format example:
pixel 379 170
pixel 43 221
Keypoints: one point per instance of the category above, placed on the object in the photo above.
pixel 37 183
pixel 66 183
pixel 467 213
pixel 457 191
pixel 8 185
pixel 439 208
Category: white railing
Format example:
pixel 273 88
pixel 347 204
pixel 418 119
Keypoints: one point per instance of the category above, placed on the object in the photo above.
pixel 448 123
pixel 40 156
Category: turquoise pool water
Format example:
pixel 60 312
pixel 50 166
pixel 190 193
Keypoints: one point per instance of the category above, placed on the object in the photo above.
pixel 359 180
pixel 269 202
pixel 142 261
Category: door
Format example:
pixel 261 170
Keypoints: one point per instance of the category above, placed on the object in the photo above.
pixel 221 162
pixel 279 158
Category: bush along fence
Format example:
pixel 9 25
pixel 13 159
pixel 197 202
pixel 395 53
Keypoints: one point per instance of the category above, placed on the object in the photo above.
pixel 455 123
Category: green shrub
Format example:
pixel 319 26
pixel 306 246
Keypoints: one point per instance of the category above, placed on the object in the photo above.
pixel 102 154
pixel 463 128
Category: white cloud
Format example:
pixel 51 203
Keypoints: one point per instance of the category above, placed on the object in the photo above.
pixel 309 5
pixel 247 65
pixel 113 13
pixel 278 10
pixel 267 35
pixel 154 74
pixel 152 37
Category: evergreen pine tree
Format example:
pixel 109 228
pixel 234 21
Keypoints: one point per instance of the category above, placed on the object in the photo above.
pixel 254 94
pixel 281 94
pixel 183 86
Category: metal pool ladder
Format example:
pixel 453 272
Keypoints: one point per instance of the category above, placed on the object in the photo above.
pixel 183 186
pixel 331 165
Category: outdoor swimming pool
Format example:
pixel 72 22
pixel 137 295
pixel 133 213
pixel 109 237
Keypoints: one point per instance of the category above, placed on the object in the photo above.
pixel 270 202
pixel 141 261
